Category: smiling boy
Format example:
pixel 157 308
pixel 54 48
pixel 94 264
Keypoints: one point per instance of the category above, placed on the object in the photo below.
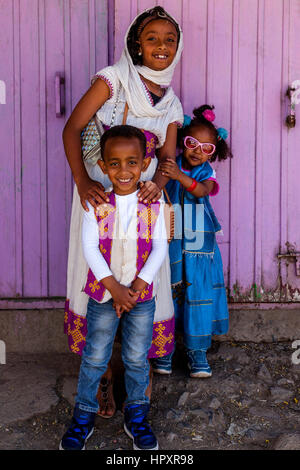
pixel 124 243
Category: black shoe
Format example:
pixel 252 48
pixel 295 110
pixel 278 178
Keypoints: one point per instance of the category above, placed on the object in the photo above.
pixel 163 365
pixel 137 427
pixel 81 428
pixel 197 363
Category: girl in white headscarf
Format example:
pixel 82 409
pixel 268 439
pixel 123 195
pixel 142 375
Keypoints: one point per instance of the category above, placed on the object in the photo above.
pixel 140 80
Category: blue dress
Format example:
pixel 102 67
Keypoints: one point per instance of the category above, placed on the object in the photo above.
pixel 197 278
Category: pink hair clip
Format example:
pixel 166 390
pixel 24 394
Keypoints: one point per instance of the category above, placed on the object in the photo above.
pixel 209 115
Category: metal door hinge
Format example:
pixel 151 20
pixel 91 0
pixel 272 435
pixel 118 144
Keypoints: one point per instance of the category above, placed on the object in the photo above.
pixel 291 255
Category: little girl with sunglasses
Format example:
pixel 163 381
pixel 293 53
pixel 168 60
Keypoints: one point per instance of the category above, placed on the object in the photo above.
pixel 197 279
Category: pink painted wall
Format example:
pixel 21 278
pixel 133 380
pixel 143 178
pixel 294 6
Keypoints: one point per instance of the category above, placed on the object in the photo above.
pixel 40 38
pixel 239 55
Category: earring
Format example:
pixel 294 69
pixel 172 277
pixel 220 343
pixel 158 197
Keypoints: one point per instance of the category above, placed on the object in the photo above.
pixel 139 53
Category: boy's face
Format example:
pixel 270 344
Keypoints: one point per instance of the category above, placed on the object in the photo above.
pixel 123 161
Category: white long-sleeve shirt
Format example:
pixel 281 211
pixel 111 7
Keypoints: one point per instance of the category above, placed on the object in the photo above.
pixel 126 205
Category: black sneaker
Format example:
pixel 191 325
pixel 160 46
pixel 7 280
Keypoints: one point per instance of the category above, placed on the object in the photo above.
pixel 81 428
pixel 137 427
pixel 163 365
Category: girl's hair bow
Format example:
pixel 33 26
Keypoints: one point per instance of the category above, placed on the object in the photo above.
pixel 209 115
pixel 187 120
pixel 222 133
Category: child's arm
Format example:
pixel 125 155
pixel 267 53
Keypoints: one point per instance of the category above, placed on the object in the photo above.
pixel 157 255
pixel 121 295
pixel 201 189
pixel 151 190
pixel 89 104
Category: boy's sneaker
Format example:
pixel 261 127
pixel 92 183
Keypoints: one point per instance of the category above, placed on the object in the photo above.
pixel 163 365
pixel 197 363
pixel 81 428
pixel 137 427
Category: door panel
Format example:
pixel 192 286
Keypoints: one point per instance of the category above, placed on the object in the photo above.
pixel 41 38
pixel 240 56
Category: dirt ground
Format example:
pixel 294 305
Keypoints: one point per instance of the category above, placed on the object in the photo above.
pixel 251 402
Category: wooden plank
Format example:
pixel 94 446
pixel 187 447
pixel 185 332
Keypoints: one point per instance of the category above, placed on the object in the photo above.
pixel 110 5
pixel 8 177
pixel 123 18
pixel 79 34
pixel 268 142
pixel 219 70
pixel 244 85
pixel 174 7
pixel 68 100
pixel 18 150
pixel 43 149
pixel 291 160
pixel 57 219
pixel 284 146
pixel 101 33
pixel 31 167
pixel 92 16
pixel 194 59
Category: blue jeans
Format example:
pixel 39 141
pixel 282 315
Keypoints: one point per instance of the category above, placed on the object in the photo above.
pixel 102 325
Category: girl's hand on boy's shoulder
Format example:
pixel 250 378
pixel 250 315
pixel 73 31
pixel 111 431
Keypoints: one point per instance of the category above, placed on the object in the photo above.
pixel 149 192
pixel 170 168
pixel 93 192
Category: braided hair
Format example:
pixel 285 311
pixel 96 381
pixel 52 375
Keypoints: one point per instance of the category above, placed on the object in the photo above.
pixel 222 151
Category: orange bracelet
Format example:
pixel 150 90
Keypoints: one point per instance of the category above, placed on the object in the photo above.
pixel 192 187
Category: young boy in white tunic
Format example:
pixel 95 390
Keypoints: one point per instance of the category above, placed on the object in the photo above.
pixel 124 243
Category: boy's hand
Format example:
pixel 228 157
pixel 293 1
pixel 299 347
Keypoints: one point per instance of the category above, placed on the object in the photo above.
pixel 122 308
pixel 124 296
pixel 170 168
pixel 149 192
pixel 138 285
pixel 119 309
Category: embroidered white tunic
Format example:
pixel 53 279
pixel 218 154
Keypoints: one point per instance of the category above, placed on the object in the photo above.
pixel 124 245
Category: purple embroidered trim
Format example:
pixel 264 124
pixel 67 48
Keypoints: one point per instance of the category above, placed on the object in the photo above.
pixel 148 93
pixel 108 83
pixel 75 326
pixel 147 217
pixel 162 339
pixel 105 215
pixel 152 141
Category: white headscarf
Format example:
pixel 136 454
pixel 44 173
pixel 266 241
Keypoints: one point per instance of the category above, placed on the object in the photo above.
pixel 128 74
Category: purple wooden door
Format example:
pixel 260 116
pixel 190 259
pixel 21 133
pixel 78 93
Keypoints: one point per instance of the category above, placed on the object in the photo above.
pixel 40 39
pixel 240 55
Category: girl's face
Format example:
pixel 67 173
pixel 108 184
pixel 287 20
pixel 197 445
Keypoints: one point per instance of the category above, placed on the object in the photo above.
pixel 158 43
pixel 195 157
